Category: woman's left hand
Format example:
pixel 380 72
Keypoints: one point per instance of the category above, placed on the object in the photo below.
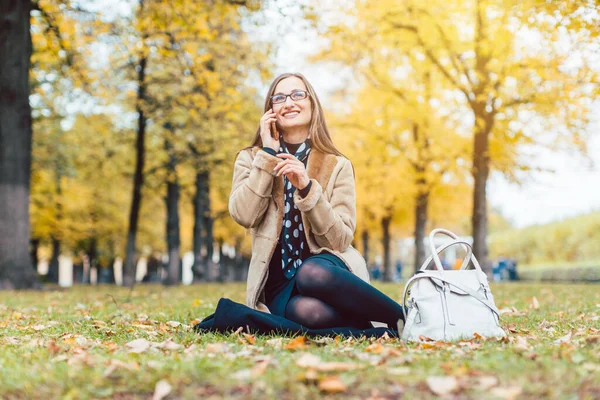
pixel 293 169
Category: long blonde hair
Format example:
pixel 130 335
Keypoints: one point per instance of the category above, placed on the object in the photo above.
pixel 319 134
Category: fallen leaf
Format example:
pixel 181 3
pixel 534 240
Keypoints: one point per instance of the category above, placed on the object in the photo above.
pixel 154 364
pixel 308 360
pixel 593 339
pixel 216 347
pixel 249 338
pixel 243 374
pixel 138 346
pixel 332 384
pixel 238 331
pixel 564 339
pixel 442 385
pixel 169 344
pixel 52 347
pixel 298 343
pixel 535 303
pixel 485 383
pixel 161 390
pixel 116 364
pixel 375 348
pixel 81 358
pixel 521 343
pixel 174 324
pixel 507 393
pixel 38 328
pixel 277 343
pixel 260 367
pixel 398 371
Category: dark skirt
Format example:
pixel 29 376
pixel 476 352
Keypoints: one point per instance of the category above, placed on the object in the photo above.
pixel 278 300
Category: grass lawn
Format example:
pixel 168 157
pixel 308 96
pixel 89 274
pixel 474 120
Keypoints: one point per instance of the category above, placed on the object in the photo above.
pixel 90 342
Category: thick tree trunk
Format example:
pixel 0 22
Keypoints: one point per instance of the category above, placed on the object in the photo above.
pixel 481 171
pixel 172 202
pixel 421 210
pixel 388 270
pixel 52 275
pixel 365 245
pixel 200 269
pixel 207 223
pixel 138 178
pixel 15 146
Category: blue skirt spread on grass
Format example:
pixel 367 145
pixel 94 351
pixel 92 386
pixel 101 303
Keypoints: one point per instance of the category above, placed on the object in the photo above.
pixel 279 296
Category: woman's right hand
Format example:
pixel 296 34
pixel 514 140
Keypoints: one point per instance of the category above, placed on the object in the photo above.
pixel 268 130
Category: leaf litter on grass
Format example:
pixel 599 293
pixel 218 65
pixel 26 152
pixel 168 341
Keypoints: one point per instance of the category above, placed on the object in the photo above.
pixel 131 347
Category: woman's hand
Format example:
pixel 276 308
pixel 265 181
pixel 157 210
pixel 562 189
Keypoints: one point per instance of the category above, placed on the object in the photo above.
pixel 293 169
pixel 268 132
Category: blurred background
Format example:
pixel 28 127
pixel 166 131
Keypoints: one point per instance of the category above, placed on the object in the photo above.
pixel 477 116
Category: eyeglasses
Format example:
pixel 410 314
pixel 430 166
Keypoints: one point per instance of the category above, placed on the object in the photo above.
pixel 296 95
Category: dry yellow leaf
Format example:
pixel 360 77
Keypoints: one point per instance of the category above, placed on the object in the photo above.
pixel 442 385
pixel 298 343
pixel 332 384
pixel 375 348
pixel 249 338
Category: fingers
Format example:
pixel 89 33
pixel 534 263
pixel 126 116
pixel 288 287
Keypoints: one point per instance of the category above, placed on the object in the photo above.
pixel 287 155
pixel 291 169
pixel 289 161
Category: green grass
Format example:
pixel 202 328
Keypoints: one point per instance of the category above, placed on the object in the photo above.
pixel 61 343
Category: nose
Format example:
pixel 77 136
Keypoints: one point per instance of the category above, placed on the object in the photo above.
pixel 289 102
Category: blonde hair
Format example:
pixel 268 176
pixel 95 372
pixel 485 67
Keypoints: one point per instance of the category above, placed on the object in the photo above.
pixel 319 134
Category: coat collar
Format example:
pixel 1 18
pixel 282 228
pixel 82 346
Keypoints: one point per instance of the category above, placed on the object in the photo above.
pixel 319 167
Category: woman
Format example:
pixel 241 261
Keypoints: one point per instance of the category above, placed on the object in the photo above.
pixel 296 193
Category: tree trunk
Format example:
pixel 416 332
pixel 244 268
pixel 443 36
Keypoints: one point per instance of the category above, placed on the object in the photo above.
pixel 138 178
pixel 207 223
pixel 92 260
pixel 15 146
pixel 172 201
pixel 52 275
pixel 238 261
pixel 388 270
pixel 34 244
pixel 481 171
pixel 365 243
pixel 223 272
pixel 421 210
pixel 199 268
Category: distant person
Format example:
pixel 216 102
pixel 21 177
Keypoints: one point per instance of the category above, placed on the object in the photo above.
pixel 499 270
pixel 512 270
pixel 297 192
pixel 398 270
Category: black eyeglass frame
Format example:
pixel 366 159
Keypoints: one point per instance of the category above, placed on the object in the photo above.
pixel 290 96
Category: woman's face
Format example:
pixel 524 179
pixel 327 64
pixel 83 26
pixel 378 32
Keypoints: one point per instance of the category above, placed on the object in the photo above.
pixel 292 113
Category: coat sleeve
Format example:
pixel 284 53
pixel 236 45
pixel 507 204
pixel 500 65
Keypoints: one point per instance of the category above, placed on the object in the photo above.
pixel 251 187
pixel 332 222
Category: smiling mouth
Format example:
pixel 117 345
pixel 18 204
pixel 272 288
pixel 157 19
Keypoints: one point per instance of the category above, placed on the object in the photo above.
pixel 291 115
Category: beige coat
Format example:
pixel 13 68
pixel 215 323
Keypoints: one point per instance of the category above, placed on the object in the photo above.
pixel 328 212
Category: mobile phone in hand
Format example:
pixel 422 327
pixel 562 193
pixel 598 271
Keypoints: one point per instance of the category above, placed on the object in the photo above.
pixel 274 132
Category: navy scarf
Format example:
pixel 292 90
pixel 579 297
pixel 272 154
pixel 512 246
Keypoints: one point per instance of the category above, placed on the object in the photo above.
pixel 292 245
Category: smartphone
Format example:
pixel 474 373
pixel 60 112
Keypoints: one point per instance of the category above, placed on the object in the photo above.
pixel 274 132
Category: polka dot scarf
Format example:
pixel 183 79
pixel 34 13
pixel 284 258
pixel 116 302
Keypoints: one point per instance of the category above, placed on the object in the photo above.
pixel 292 231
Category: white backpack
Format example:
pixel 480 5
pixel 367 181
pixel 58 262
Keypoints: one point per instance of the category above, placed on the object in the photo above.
pixel 449 305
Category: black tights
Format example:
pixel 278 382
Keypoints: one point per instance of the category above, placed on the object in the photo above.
pixel 330 296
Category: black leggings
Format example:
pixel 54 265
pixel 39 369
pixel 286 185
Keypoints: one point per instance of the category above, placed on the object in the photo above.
pixel 330 296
